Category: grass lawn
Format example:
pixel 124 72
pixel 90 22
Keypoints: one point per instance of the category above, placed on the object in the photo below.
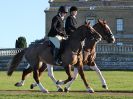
pixel 120 85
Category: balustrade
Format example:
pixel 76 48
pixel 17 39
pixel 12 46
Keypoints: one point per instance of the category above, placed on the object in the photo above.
pixel 106 48
pixel 9 52
pixel 101 48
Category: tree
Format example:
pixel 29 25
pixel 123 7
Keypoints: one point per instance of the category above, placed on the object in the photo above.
pixel 21 42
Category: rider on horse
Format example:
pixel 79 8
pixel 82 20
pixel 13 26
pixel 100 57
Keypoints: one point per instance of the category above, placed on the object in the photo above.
pixel 71 22
pixel 57 32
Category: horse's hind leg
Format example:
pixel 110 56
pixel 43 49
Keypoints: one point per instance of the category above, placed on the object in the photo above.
pixel 81 73
pixel 26 71
pixel 36 77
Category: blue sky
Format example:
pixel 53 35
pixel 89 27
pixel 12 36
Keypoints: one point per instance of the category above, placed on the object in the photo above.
pixel 21 18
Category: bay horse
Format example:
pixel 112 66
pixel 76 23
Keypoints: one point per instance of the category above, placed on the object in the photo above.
pixel 89 55
pixel 41 53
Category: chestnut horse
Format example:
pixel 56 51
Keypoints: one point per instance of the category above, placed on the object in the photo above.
pixel 89 52
pixel 41 53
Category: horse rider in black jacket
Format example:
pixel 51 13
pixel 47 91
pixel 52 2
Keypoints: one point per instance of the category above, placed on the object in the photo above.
pixel 57 31
pixel 71 22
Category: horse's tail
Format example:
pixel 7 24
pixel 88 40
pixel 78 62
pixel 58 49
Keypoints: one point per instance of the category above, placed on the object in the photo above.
pixel 15 62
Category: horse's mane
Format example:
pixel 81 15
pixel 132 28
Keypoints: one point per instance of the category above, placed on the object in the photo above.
pixel 76 32
pixel 79 28
pixel 102 22
pixel 37 41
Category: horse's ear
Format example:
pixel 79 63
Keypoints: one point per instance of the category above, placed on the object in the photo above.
pixel 100 21
pixel 104 21
pixel 87 23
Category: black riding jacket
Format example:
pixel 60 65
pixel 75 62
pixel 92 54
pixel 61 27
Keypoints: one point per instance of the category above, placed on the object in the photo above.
pixel 57 27
pixel 71 25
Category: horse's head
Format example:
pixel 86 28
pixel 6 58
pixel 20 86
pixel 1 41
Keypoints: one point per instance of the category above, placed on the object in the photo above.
pixel 91 32
pixel 104 30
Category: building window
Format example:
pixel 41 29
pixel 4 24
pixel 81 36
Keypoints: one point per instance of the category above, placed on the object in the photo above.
pixel 92 21
pixel 119 25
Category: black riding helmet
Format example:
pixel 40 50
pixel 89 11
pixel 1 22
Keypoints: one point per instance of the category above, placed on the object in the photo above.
pixel 63 9
pixel 73 8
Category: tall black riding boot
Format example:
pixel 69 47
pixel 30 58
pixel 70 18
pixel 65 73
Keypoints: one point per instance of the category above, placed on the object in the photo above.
pixel 57 56
pixel 56 52
pixel 59 53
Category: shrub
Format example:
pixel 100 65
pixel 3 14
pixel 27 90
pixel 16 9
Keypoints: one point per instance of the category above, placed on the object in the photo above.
pixel 21 42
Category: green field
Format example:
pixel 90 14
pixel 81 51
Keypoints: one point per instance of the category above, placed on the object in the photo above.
pixel 120 85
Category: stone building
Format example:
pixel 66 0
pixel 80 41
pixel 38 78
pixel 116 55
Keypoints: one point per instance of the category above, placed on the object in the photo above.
pixel 117 13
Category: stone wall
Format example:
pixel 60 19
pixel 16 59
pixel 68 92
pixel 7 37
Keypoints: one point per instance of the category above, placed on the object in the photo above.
pixel 6 56
pixel 104 61
pixel 115 61
pixel 109 57
pixel 4 63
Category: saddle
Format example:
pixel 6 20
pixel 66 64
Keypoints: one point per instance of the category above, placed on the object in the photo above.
pixel 57 52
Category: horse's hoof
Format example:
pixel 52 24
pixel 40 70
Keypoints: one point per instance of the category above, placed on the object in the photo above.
pixel 31 86
pixel 18 84
pixel 60 90
pixel 45 91
pixel 105 87
pixel 59 82
pixel 66 90
pixel 90 90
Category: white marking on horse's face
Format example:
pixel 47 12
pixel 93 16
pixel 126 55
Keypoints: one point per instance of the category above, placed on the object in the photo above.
pixel 113 38
pixel 108 28
pixel 92 29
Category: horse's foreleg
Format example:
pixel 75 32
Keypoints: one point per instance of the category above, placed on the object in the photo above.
pixel 104 85
pixel 81 73
pixel 68 72
pixel 36 78
pixel 74 78
pixel 51 75
pixel 25 73
pixel 42 69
